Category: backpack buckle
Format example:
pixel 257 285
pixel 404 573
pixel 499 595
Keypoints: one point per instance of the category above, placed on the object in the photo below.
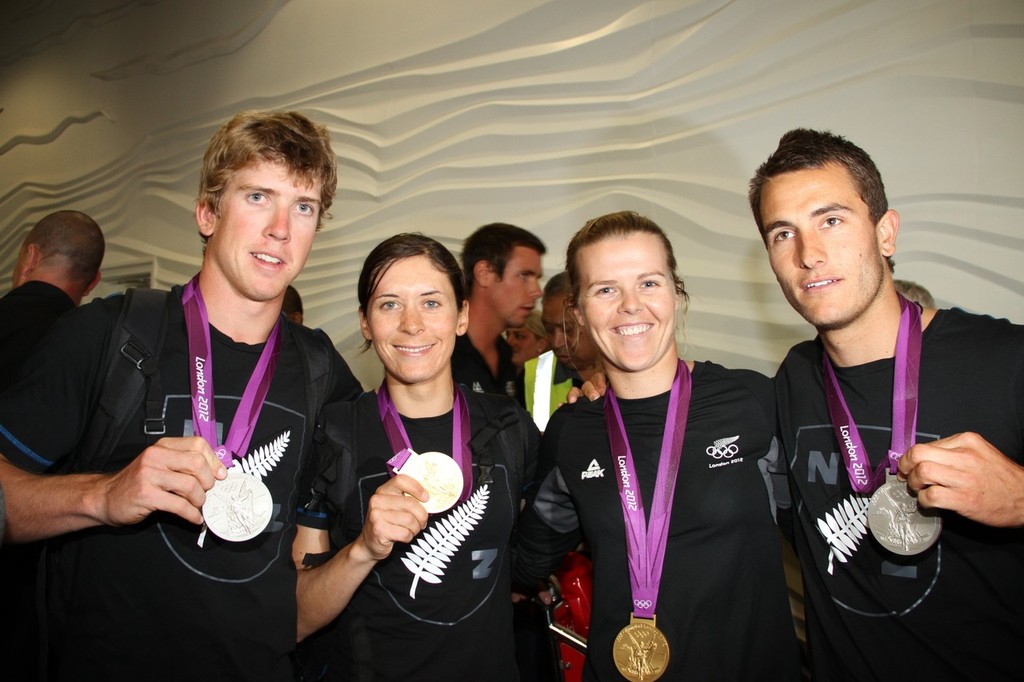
pixel 135 354
pixel 154 427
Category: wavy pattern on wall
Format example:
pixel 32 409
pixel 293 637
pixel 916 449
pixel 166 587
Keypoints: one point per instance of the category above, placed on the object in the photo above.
pixel 544 114
pixel 60 29
pixel 49 136
pixel 195 53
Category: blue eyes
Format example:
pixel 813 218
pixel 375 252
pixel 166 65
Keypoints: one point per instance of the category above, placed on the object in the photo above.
pixel 305 208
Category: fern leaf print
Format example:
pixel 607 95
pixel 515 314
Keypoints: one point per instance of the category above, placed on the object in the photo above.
pixel 261 461
pixel 860 520
pixel 429 554
pixel 843 528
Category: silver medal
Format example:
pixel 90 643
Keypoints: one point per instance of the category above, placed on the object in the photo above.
pixel 238 508
pixel 897 522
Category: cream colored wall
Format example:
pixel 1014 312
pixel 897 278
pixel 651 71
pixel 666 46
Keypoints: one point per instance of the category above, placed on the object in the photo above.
pixel 447 114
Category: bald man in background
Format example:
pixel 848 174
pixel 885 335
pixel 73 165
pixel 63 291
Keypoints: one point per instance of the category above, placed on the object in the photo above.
pixel 58 265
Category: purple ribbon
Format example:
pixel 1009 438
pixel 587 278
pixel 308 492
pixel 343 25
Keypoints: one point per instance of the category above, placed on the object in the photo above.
pixel 204 420
pixel 645 541
pixel 906 371
pixel 399 439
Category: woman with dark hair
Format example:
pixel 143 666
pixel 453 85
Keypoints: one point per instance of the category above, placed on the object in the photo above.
pixel 664 477
pixel 412 514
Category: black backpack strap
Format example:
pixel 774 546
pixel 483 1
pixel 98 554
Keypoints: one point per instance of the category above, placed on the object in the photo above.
pixel 332 483
pixel 481 443
pixel 315 351
pixel 500 414
pixel 133 359
pixel 505 428
pixel 132 371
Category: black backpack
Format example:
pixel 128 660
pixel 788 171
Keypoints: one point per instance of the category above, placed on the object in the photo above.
pixel 133 359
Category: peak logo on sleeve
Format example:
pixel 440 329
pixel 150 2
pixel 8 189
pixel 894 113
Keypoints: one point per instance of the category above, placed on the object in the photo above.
pixel 592 471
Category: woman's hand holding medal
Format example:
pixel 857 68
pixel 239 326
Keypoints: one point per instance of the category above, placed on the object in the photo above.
pixel 423 484
pixel 395 514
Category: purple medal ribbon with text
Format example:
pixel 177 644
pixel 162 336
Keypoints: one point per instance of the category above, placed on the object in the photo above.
pixel 906 371
pixel 645 542
pixel 399 439
pixel 201 356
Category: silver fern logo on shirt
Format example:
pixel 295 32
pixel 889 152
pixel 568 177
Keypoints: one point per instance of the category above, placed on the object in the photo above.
pixel 843 528
pixel 429 555
pixel 261 461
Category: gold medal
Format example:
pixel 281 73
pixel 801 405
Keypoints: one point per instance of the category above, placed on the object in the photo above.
pixel 439 474
pixel 640 650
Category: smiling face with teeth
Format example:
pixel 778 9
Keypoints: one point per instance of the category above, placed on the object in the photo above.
pixel 411 319
pixel 628 302
pixel 827 254
pixel 258 240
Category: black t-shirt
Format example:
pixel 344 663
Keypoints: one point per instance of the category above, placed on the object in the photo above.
pixel 440 607
pixel 470 369
pixel 145 600
pixel 27 312
pixel 722 602
pixel 955 611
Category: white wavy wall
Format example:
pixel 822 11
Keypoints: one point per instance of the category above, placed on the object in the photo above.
pixel 448 114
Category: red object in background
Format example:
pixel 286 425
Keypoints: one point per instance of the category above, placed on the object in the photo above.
pixel 575 582
pixel 570 616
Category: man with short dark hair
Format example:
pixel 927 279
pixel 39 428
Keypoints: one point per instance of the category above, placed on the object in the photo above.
pixel 502 267
pixel 171 560
pixel 903 435
pixel 58 265
pixel 292 305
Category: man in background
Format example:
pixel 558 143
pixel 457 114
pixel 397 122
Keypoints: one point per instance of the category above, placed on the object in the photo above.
pixel 572 360
pixel 58 265
pixel 502 267
pixel 912 291
pixel 292 306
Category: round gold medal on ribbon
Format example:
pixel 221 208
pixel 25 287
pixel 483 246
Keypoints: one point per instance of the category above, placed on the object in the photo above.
pixel 640 650
pixel 440 475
